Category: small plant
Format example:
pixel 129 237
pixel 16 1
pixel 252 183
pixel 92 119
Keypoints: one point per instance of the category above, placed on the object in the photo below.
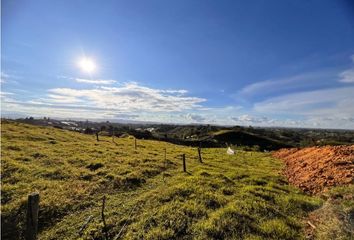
pixel 94 166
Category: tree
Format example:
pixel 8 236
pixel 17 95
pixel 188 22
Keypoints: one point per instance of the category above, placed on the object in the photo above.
pixel 88 131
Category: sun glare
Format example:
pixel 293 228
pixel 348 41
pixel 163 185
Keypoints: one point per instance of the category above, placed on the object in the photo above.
pixel 87 65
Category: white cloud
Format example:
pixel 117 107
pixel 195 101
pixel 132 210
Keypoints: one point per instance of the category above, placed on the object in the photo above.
pixel 95 81
pixel 222 116
pixel 6 93
pixel 337 102
pixel 347 76
pixel 194 118
pixel 38 109
pixel 274 86
pixel 181 91
pixel 132 102
pixel 3 78
pixel 55 98
pixel 7 78
pixel 126 116
pixel 128 97
pixel 248 119
pixel 308 121
pixel 293 98
pixel 6 96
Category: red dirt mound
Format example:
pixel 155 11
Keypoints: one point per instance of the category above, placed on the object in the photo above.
pixel 314 169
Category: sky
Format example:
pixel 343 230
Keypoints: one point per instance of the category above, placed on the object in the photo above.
pixel 261 63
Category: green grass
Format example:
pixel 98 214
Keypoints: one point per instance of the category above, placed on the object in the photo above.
pixel 243 196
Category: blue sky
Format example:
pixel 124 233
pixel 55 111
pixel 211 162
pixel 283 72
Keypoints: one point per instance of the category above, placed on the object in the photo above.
pixel 262 63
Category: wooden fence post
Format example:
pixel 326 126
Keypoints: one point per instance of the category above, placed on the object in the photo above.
pixel 103 217
pixel 184 162
pixel 200 155
pixel 97 137
pixel 134 143
pixel 32 216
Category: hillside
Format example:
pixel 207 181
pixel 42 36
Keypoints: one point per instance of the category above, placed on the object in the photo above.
pixel 192 135
pixel 242 196
pixel 238 137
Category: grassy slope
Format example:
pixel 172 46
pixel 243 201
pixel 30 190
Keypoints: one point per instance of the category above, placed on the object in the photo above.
pixel 231 197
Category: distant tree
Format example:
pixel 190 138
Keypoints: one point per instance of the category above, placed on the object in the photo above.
pixel 208 128
pixel 110 130
pixel 88 131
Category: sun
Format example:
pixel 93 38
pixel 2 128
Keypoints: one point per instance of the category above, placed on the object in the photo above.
pixel 87 65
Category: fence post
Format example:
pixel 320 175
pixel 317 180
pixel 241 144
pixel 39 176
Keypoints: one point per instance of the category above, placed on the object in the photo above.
pixel 97 137
pixel 32 216
pixel 135 143
pixel 184 162
pixel 200 155
pixel 103 217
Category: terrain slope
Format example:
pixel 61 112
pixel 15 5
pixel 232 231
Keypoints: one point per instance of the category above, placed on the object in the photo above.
pixel 148 196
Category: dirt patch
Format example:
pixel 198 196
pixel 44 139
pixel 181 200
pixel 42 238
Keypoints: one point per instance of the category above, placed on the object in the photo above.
pixel 314 169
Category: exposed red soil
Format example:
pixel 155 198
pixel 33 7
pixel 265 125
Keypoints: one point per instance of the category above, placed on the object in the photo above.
pixel 314 169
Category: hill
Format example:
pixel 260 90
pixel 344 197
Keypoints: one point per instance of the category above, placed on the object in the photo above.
pixel 242 196
pixel 243 138
pixel 192 135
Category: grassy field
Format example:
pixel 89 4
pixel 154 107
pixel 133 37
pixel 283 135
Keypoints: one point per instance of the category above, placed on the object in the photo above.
pixel 243 196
